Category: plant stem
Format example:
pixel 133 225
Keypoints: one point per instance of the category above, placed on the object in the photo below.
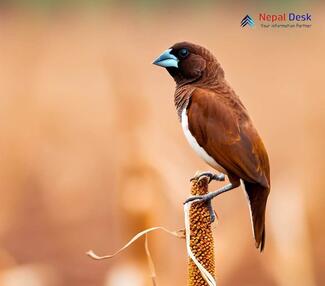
pixel 201 241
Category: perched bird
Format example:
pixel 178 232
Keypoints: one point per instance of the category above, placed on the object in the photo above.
pixel 217 126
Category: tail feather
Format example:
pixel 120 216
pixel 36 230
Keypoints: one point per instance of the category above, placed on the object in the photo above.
pixel 257 195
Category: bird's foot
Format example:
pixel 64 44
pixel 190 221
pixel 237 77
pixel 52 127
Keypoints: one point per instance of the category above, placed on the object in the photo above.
pixel 200 199
pixel 208 197
pixel 210 175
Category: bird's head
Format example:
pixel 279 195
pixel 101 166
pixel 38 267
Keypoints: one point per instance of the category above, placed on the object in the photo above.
pixel 187 62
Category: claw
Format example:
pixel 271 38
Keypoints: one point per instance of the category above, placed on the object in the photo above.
pixel 211 176
pixel 207 199
pixel 209 196
pixel 194 198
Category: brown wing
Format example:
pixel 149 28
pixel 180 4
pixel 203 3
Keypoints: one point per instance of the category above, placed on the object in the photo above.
pixel 220 124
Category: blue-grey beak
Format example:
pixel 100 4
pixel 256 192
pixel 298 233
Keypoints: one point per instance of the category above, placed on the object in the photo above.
pixel 166 60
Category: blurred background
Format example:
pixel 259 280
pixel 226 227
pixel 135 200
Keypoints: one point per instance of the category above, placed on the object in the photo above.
pixel 92 151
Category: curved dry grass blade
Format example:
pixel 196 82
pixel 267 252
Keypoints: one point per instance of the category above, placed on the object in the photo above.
pixel 93 255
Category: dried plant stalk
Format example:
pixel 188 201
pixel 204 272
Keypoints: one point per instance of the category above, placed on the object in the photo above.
pixel 201 239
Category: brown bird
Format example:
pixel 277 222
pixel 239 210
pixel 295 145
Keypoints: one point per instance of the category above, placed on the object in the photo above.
pixel 217 126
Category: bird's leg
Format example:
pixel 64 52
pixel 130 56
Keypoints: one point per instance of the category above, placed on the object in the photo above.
pixel 208 197
pixel 210 175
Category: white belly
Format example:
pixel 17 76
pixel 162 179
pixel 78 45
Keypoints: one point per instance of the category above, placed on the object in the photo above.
pixel 197 148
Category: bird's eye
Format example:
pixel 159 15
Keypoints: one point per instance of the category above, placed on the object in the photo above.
pixel 183 53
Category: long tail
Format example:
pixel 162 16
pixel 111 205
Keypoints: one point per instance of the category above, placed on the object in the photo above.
pixel 257 195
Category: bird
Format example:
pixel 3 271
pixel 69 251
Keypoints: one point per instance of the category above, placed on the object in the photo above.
pixel 218 127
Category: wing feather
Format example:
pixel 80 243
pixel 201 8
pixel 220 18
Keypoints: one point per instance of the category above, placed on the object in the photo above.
pixel 221 125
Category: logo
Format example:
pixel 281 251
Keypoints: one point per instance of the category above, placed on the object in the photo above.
pixel 279 20
pixel 247 20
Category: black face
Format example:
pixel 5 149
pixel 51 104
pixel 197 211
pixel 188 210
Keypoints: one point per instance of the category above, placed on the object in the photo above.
pixel 181 53
pixel 184 61
pixel 190 63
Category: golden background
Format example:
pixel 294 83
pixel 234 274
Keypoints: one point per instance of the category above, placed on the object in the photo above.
pixel 92 151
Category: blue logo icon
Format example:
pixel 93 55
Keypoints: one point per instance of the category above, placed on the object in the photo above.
pixel 247 20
